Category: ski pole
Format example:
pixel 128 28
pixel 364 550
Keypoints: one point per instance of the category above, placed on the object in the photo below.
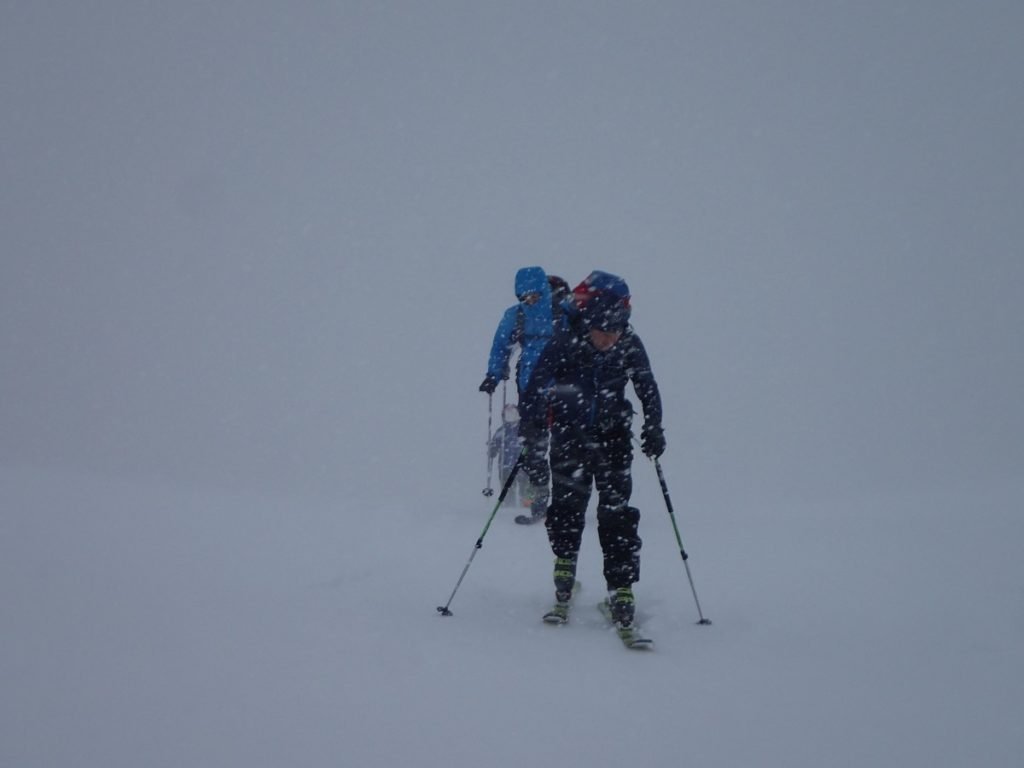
pixel 679 539
pixel 443 609
pixel 488 491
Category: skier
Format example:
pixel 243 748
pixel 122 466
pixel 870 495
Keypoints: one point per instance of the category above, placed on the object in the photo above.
pixel 559 294
pixel 530 324
pixel 581 376
pixel 505 448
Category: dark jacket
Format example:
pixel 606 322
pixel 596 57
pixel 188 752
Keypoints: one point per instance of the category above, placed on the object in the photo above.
pixel 586 389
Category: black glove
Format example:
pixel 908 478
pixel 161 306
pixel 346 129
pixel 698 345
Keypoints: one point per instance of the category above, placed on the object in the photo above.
pixel 489 384
pixel 652 440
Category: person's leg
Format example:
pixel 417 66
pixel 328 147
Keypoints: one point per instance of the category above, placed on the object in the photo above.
pixel 617 522
pixel 535 465
pixel 570 494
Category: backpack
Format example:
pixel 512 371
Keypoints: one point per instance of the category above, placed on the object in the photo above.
pixel 559 293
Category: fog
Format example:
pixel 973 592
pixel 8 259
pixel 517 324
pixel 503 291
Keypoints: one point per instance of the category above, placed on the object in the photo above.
pixel 249 242
pixel 253 255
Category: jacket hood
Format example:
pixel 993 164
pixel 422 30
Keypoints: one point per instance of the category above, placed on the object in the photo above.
pixel 532 280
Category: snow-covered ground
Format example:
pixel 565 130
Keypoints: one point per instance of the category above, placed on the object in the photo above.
pixel 147 625
pixel 251 258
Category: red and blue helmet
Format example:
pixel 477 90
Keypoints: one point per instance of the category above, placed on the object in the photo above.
pixel 603 301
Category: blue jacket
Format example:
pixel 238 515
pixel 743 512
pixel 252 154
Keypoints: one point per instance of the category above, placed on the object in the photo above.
pixel 529 325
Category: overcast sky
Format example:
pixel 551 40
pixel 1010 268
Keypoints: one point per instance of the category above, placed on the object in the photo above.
pixel 253 242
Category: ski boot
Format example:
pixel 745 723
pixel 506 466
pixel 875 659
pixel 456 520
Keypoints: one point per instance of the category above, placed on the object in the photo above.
pixel 565 587
pixel 622 607
pixel 620 610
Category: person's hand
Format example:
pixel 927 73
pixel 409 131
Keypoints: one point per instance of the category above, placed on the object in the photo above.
pixel 652 440
pixel 489 384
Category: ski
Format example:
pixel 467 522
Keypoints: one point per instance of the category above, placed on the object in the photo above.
pixel 630 636
pixel 559 613
pixel 529 519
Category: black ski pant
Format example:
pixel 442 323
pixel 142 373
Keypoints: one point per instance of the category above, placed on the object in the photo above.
pixel 604 460
pixel 535 461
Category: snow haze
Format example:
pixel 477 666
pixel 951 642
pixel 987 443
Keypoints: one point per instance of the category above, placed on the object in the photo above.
pixel 253 255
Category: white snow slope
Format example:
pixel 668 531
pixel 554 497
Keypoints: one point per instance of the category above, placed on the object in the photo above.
pixel 150 626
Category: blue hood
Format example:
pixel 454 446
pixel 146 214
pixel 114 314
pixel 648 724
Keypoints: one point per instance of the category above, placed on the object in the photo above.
pixel 532 280
pixel 537 320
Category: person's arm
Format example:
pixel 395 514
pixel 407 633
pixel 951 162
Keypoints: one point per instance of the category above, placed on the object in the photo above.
pixel 640 373
pixel 501 346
